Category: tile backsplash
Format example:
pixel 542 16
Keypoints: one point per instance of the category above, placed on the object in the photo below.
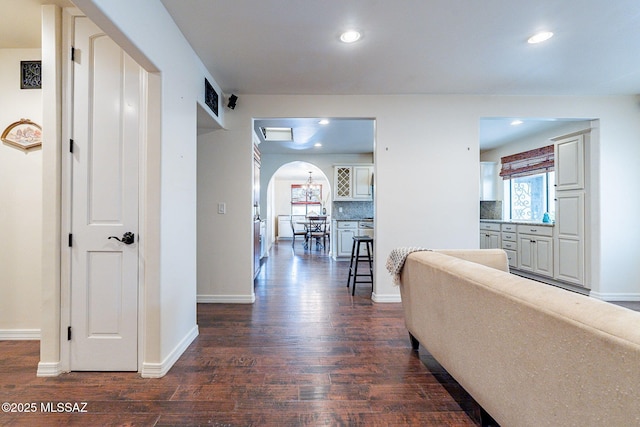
pixel 352 210
pixel 491 209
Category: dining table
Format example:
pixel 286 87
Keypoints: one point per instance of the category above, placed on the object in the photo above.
pixel 312 223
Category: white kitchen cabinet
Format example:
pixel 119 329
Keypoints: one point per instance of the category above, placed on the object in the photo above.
pixel 535 249
pixel 353 182
pixel 571 154
pixel 364 229
pixel 569 244
pixel 345 232
pixel 489 181
pixel 509 238
pixel 362 182
pixel 342 182
pixel 342 236
pixel 489 240
pixel 490 235
pixel 510 248
pixel 569 162
pixel 284 227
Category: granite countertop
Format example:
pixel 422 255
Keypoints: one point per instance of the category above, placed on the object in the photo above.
pixel 508 221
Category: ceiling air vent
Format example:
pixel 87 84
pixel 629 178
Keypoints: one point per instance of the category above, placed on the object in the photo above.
pixel 277 134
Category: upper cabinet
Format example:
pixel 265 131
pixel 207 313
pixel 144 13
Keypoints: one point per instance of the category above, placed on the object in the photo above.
pixel 353 182
pixel 363 182
pixel 569 162
pixel 489 181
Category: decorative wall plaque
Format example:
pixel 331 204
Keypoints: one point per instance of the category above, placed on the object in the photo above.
pixel 30 74
pixel 23 134
pixel 210 96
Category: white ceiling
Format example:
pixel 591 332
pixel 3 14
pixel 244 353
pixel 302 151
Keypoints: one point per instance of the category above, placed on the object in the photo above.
pixel 416 46
pixel 408 47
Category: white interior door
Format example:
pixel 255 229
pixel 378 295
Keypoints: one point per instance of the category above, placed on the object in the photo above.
pixel 104 271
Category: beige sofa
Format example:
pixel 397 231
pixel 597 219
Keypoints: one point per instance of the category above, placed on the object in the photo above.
pixel 529 353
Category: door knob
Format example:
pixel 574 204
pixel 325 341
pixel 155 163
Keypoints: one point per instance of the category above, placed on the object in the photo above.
pixel 127 238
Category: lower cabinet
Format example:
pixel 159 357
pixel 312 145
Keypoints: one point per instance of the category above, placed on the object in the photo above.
pixel 284 227
pixel 489 240
pixel 510 244
pixel 344 233
pixel 490 235
pixel 345 242
pixel 551 251
pixel 346 230
pixel 569 244
pixel 535 250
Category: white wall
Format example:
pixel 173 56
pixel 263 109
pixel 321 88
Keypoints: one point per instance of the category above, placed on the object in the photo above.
pixel 225 242
pixel 50 339
pixel 427 170
pixel 20 205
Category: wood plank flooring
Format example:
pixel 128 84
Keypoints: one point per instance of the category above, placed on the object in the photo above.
pixel 306 353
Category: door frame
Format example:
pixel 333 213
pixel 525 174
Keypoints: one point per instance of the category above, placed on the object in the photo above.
pixel 68 17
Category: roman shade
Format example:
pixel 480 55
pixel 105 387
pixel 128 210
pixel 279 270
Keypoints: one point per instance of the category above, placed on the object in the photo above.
pixel 530 162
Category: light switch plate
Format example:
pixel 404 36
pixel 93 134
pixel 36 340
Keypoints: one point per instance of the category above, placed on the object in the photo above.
pixel 222 208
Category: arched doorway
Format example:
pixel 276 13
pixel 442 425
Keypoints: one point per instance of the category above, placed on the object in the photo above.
pixel 282 201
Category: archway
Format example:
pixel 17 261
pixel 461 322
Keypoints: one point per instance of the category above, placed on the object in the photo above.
pixel 279 197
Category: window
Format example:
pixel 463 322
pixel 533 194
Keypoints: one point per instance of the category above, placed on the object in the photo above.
pixel 529 180
pixel 528 198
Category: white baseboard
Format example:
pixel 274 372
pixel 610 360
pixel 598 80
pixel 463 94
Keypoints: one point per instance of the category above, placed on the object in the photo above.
pixel 159 370
pixel 615 296
pixel 385 298
pixel 48 369
pixel 226 299
pixel 19 334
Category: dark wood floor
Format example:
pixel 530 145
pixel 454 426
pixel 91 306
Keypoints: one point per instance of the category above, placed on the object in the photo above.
pixel 306 353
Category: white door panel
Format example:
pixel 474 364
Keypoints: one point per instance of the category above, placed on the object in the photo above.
pixel 104 271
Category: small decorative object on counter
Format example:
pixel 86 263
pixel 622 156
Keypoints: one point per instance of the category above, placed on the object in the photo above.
pixel 545 218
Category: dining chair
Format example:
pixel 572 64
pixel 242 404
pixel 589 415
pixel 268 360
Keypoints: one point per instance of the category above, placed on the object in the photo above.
pixel 297 232
pixel 318 230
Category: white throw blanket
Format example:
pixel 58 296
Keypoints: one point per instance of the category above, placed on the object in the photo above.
pixel 395 261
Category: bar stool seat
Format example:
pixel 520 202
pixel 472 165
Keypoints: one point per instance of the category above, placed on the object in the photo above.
pixel 357 258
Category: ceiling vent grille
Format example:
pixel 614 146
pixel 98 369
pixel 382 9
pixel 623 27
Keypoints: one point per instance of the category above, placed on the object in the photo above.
pixel 277 134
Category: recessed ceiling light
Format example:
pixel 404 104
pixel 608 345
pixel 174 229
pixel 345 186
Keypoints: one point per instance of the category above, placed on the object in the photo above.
pixel 323 122
pixel 350 36
pixel 540 37
pixel 516 122
pixel 317 144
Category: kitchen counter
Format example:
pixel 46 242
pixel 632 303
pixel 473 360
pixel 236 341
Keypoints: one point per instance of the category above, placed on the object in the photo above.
pixel 505 221
pixel 355 218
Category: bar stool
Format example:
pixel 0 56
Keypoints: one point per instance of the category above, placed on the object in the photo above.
pixel 357 258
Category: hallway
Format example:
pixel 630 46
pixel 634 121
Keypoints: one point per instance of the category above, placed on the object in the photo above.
pixel 306 353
